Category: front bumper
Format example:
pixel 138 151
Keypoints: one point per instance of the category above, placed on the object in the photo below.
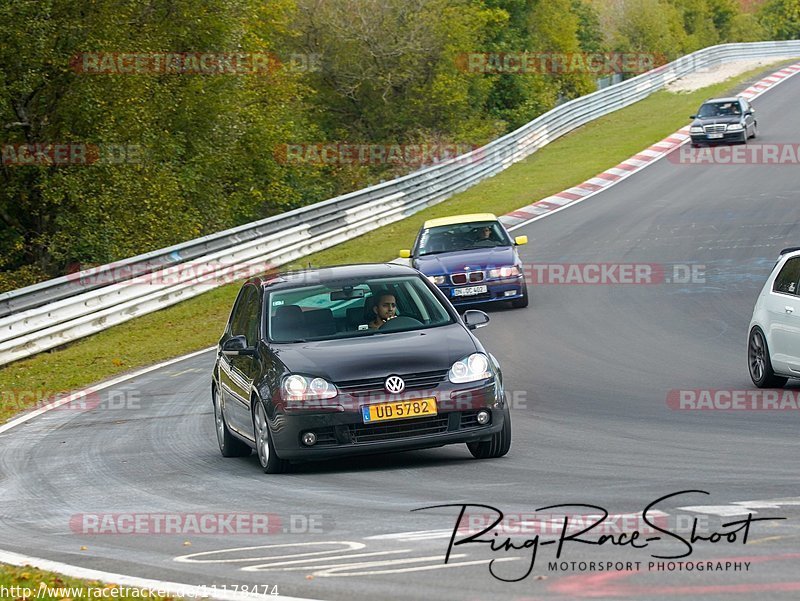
pixel 343 432
pixel 496 290
pixel 727 138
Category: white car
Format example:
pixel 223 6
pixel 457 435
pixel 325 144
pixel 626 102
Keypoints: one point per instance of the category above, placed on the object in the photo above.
pixel 773 347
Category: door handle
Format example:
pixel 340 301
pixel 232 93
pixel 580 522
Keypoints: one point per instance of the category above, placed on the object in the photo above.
pixel 789 309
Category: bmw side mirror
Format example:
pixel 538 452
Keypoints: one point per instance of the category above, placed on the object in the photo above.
pixel 692 116
pixel 236 345
pixel 475 319
pixel 405 254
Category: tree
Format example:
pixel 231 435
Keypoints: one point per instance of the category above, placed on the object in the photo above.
pixel 781 19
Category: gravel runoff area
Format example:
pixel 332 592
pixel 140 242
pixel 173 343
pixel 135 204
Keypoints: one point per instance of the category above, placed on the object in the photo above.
pixel 720 73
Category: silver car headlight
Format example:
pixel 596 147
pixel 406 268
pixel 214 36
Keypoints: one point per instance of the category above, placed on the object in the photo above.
pixel 696 129
pixel 470 369
pixel 438 280
pixel 734 127
pixel 304 388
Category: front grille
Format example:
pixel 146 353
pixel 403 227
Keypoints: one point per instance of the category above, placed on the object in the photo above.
pixel 400 429
pixel 458 279
pixel 715 129
pixel 426 379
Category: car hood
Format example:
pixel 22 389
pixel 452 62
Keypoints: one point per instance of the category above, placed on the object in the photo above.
pixel 457 261
pixel 717 120
pixel 378 355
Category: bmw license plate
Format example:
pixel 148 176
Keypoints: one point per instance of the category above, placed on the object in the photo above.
pixel 715 136
pixel 469 290
pixel 398 410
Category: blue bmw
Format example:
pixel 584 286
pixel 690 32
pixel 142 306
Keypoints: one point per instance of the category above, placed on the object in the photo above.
pixel 471 258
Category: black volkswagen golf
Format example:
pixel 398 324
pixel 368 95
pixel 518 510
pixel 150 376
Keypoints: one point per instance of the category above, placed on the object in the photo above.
pixel 353 359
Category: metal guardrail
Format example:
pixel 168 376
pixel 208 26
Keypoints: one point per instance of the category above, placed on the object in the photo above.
pixel 58 311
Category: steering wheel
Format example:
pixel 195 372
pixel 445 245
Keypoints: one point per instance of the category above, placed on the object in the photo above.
pixel 399 323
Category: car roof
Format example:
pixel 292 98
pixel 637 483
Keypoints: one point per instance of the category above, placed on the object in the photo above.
pixel 322 275
pixel 455 219
pixel 726 99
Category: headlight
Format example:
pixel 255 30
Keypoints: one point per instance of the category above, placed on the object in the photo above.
pixel 437 279
pixel 303 388
pixel 696 129
pixel 504 272
pixel 734 127
pixel 470 369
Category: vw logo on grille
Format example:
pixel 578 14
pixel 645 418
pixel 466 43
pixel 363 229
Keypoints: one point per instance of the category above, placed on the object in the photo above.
pixel 394 384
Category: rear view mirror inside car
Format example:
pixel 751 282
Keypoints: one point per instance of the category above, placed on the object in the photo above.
pixel 347 294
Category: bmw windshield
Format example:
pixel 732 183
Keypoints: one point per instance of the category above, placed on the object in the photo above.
pixel 462 236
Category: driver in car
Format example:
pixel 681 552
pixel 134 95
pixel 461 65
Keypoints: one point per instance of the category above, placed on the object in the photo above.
pixel 385 309
pixel 483 234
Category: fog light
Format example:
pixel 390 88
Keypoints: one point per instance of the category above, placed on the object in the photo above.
pixel 510 292
pixel 483 417
pixel 309 439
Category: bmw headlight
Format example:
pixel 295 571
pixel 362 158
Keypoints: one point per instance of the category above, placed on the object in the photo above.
pixel 470 369
pixel 734 127
pixel 696 129
pixel 508 271
pixel 304 388
pixel 437 280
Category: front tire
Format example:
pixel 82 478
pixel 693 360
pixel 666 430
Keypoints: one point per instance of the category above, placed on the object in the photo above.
pixel 498 445
pixel 267 457
pixel 521 303
pixel 229 445
pixel 759 364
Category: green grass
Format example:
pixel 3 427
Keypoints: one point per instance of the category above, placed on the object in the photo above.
pixel 197 323
pixel 44 586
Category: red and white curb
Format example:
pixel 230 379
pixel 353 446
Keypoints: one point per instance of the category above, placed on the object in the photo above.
pixel 625 169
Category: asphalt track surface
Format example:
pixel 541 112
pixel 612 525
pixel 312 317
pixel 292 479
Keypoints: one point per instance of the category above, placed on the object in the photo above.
pixel 589 367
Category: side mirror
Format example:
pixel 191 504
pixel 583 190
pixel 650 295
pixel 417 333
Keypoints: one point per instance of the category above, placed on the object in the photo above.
pixel 236 345
pixel 692 116
pixel 520 240
pixel 750 112
pixel 475 319
pixel 405 254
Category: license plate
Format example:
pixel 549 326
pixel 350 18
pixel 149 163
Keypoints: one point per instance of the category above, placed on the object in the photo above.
pixel 715 136
pixel 398 410
pixel 469 290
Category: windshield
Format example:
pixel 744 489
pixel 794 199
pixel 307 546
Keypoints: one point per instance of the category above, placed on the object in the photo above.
pixel 353 308
pixel 719 109
pixel 462 236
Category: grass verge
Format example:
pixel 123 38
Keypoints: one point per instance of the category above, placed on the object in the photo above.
pixel 198 322
pixel 27 583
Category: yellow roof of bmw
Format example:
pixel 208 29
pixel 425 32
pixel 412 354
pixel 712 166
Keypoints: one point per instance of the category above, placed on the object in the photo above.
pixel 454 219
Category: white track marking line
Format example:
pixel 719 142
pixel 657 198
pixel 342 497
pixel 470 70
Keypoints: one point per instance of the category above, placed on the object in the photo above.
pixel 345 546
